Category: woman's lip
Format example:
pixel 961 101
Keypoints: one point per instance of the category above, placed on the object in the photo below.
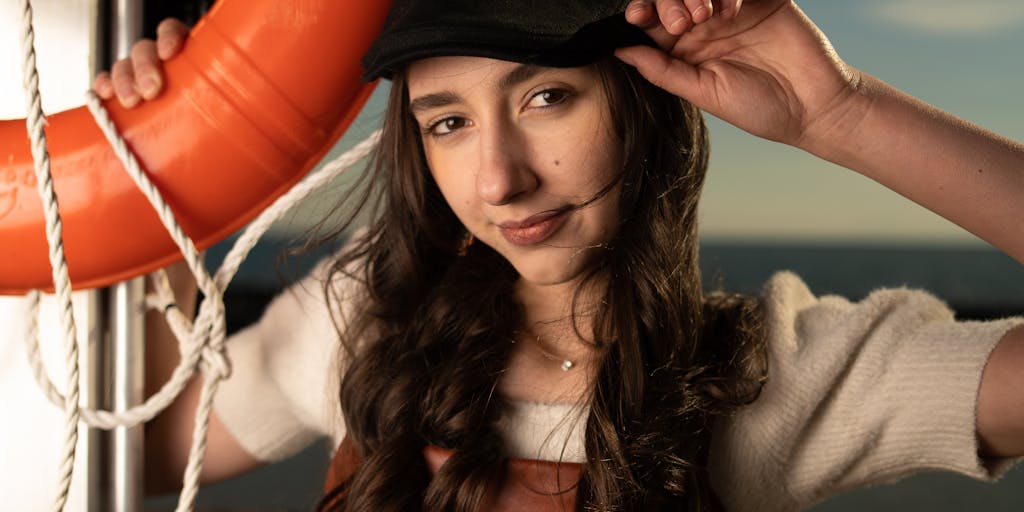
pixel 531 220
pixel 533 229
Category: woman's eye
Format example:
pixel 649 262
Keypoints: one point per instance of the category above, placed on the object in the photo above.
pixel 548 97
pixel 445 126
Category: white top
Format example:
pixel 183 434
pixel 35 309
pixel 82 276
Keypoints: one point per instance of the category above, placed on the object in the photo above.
pixel 857 394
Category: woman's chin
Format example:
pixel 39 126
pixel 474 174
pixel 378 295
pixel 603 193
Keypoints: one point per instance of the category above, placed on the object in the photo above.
pixel 545 278
pixel 551 270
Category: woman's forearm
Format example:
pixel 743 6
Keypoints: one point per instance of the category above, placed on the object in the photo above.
pixel 1000 411
pixel 169 435
pixel 960 171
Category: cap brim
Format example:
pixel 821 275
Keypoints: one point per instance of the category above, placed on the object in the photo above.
pixel 396 48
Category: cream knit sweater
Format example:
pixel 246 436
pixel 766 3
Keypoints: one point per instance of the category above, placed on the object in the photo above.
pixel 858 394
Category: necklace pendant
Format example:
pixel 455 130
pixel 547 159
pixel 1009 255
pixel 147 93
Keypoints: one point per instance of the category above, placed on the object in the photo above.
pixel 567 365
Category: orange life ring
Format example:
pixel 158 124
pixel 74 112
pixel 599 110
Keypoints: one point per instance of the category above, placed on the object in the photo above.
pixel 260 92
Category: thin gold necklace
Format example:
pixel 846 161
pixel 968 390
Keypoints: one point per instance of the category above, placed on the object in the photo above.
pixel 566 364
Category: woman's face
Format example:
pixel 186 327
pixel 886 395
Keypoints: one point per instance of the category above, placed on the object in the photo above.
pixel 515 149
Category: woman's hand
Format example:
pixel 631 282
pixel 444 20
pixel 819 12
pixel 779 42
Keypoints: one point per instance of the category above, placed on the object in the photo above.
pixel 140 76
pixel 768 70
pixel 764 68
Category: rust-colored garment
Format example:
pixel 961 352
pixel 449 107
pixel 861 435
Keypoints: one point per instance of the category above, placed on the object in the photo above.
pixel 534 485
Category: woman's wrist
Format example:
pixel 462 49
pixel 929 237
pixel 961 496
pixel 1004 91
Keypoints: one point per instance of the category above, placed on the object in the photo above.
pixel 834 134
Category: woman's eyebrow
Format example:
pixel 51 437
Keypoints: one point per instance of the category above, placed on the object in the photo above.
pixel 518 75
pixel 434 100
pixel 515 76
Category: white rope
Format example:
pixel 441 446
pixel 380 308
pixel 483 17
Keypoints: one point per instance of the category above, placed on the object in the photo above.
pixel 213 351
pixel 200 341
pixel 280 207
pixel 54 233
pixel 205 338
pixel 32 350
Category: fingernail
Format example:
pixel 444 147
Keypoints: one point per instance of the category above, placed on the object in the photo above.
pixel 700 14
pixel 130 101
pixel 637 10
pixel 149 86
pixel 164 46
pixel 680 21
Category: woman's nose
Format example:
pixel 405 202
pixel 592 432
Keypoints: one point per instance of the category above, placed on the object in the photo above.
pixel 504 172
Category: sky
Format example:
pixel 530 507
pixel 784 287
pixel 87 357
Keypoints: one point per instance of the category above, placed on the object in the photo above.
pixel 964 57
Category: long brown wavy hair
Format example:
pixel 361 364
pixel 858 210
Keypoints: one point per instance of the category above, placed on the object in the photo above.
pixel 421 362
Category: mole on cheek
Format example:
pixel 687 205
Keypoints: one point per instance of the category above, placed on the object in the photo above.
pixel 557 162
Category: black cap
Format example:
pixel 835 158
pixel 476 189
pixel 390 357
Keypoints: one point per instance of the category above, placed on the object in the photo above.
pixel 557 33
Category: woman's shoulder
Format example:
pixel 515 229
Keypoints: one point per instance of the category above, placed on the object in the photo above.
pixel 796 315
pixel 855 389
pixel 283 390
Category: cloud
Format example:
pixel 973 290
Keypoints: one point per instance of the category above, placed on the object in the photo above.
pixel 951 17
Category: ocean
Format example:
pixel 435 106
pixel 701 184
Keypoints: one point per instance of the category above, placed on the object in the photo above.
pixel 977 282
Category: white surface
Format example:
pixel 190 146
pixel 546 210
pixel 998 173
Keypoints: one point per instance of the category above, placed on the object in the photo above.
pixel 62 54
pixel 32 429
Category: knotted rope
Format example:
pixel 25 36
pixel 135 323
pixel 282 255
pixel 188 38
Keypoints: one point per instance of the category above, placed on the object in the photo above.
pixel 201 342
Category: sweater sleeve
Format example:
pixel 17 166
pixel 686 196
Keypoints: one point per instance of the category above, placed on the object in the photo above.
pixel 857 394
pixel 282 392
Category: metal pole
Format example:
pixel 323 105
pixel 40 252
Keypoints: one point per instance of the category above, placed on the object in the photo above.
pixel 127 350
pixel 126 26
pixel 115 380
pixel 127 323
pixel 116 369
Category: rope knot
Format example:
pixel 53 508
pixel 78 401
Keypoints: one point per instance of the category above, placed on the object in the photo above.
pixel 213 329
pixel 216 361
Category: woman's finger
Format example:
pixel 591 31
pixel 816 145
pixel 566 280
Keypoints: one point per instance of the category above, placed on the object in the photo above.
pixel 140 76
pixel 666 20
pixel 123 78
pixel 730 8
pixel 643 14
pixel 673 75
pixel 103 86
pixel 146 69
pixel 659 16
pixel 170 35
pixel 700 10
pixel 674 15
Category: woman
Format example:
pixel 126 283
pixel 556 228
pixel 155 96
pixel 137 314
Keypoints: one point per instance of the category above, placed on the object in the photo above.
pixel 528 285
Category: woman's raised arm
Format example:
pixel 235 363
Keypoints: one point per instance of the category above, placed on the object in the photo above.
pixel 771 72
